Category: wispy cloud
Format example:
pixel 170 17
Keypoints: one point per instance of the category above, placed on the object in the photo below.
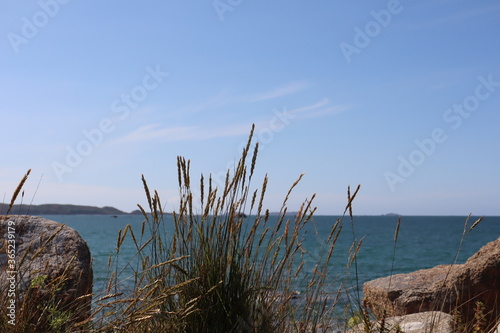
pixel 320 109
pixel 322 103
pixel 158 132
pixel 220 99
pixel 287 89
pixel 224 97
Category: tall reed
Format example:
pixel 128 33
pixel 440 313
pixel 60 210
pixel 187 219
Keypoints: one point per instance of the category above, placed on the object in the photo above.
pixel 221 271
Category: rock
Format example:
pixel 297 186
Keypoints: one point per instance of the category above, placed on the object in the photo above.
pixel 430 321
pixel 478 280
pixel 445 288
pixel 403 294
pixel 53 266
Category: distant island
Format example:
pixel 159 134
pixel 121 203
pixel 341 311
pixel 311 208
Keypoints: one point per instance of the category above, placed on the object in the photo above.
pixel 58 209
pixel 391 214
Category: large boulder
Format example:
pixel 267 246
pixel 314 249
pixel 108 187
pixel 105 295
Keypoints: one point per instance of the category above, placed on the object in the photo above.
pixel 403 294
pixel 46 266
pixel 478 280
pixel 448 288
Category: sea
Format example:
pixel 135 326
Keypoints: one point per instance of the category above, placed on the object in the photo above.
pixel 422 242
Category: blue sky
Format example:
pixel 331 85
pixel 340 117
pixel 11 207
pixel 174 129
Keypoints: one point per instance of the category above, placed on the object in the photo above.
pixel 402 97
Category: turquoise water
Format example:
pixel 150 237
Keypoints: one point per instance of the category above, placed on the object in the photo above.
pixel 423 242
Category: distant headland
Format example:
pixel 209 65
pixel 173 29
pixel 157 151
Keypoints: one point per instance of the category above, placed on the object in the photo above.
pixel 59 209
pixel 63 209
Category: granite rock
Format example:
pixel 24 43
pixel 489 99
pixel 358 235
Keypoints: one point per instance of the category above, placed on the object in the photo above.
pixel 52 264
pixel 448 288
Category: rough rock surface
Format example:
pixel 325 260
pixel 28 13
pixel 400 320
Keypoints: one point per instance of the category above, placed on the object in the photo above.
pixel 424 322
pixel 52 261
pixel 444 288
pixel 403 294
pixel 478 280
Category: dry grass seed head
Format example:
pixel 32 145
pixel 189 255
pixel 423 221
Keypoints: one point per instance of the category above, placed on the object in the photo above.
pixel 396 233
pixel 475 224
pixel 350 199
pixel 17 190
